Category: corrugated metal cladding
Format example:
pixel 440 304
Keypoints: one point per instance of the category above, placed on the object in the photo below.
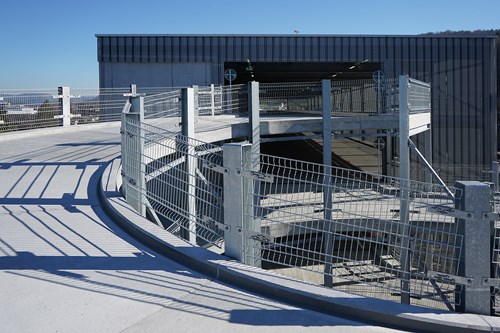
pixel 462 71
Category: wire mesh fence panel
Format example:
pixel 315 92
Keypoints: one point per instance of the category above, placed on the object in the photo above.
pixel 162 104
pixel 183 183
pixel 301 98
pixel 495 261
pixel 102 105
pixel 451 173
pixel 97 105
pixel 29 109
pixel 234 99
pixel 419 96
pixel 364 97
pixel 361 243
pixel 209 100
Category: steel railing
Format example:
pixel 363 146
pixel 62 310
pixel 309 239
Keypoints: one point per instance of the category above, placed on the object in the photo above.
pixel 360 246
pixel 382 236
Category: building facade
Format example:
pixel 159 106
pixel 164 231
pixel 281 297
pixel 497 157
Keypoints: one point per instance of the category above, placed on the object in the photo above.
pixel 461 69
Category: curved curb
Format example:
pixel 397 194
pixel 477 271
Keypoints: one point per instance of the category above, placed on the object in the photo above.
pixel 268 284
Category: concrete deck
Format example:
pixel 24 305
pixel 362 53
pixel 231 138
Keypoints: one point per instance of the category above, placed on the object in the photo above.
pixel 66 267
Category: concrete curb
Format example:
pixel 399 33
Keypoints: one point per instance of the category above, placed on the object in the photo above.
pixel 268 284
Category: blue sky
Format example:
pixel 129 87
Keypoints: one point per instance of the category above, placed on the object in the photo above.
pixel 48 43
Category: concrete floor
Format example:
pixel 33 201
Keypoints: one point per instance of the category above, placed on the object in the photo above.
pixel 66 267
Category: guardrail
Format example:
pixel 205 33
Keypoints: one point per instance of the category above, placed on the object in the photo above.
pixel 380 236
pixel 30 109
pixel 371 234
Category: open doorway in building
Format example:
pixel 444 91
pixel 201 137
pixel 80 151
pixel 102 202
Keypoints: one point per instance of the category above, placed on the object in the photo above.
pixel 356 151
pixel 301 71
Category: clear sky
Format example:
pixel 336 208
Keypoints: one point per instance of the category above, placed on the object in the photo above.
pixel 49 43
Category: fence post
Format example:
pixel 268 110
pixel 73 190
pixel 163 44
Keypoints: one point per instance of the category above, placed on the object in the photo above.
pixel 212 99
pixel 187 121
pixel 475 256
pixel 254 115
pixel 65 103
pixel 326 93
pixel 404 174
pixel 133 167
pixel 494 175
pixel 238 207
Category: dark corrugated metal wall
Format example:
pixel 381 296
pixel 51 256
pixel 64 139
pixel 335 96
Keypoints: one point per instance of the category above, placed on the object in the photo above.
pixel 460 69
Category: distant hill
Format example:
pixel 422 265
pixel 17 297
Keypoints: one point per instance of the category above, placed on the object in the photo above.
pixel 490 32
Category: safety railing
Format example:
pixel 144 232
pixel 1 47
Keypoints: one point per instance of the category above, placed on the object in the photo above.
pixel 162 104
pixel 365 97
pixel 177 179
pixel 353 97
pixel 290 98
pixel 419 96
pixel 358 244
pixel 23 110
pixel 375 235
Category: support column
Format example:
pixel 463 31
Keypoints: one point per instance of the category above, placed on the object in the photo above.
pixel 327 193
pixel 475 256
pixel 188 114
pixel 404 174
pixel 239 210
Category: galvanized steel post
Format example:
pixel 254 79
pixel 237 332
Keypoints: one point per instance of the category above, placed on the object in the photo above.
pixel 475 256
pixel 65 102
pixel 133 165
pixel 326 93
pixel 404 174
pixel 238 212
pixel 188 114
pixel 254 119
pixel 494 175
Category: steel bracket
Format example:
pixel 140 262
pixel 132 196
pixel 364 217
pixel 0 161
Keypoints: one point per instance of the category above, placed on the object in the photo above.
pixel 222 226
pixel 215 167
pixel 452 279
pixel 261 237
pixel 256 175
pixel 448 211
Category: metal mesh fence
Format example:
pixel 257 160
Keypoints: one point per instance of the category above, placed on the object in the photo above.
pixel 450 173
pixel 364 97
pixel 29 109
pixel 290 98
pixel 359 242
pixel 419 96
pixel 162 104
pixel 209 100
pixel 234 99
pixel 183 181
